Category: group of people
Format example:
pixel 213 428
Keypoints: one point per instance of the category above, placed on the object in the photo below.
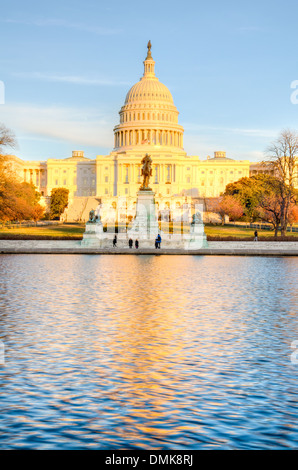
pixel 130 242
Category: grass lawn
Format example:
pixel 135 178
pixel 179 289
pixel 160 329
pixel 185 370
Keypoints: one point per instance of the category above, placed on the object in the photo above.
pixel 75 232
pixel 226 231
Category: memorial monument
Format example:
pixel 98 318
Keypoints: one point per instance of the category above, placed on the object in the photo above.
pixel 94 234
pixel 145 225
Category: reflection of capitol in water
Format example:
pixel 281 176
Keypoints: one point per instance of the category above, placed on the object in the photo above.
pixel 148 124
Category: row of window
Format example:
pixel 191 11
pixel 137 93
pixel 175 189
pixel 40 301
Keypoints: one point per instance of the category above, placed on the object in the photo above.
pixel 222 172
pixel 188 169
pixel 127 117
pixel 85 182
pixel 87 193
pixel 82 170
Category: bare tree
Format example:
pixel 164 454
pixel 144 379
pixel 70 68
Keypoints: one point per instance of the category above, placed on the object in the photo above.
pixel 7 138
pixel 283 158
pixel 270 210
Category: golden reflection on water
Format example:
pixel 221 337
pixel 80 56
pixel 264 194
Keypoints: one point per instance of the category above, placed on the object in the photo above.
pixel 146 343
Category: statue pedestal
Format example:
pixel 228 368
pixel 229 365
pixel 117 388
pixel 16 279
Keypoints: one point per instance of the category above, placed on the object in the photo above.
pixel 197 237
pixel 145 225
pixel 94 234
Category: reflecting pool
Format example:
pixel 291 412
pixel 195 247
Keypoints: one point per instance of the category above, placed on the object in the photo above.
pixel 148 352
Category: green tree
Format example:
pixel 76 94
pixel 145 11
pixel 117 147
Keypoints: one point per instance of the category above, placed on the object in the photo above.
pixel 59 201
pixel 263 197
pixel 249 191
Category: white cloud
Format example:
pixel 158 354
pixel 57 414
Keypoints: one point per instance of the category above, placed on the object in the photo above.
pixel 204 145
pixel 267 133
pixel 74 79
pixel 239 143
pixel 76 125
pixel 57 22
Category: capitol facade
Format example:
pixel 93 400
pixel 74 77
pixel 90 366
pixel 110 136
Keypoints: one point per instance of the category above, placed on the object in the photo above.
pixel 148 124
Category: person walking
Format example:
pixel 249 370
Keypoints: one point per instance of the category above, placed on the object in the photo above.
pixel 256 236
pixel 130 243
pixel 115 241
pixel 158 240
pixel 137 244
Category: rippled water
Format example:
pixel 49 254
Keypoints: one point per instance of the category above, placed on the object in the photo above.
pixel 149 352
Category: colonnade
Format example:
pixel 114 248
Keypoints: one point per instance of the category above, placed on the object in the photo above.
pixel 33 176
pixel 157 137
pixel 161 173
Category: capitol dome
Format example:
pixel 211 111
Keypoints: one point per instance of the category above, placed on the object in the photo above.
pixel 148 89
pixel 149 116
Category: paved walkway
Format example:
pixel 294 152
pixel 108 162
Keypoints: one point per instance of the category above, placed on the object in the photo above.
pixel 214 248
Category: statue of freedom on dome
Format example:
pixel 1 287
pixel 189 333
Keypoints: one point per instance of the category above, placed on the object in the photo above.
pixel 149 50
pixel 146 172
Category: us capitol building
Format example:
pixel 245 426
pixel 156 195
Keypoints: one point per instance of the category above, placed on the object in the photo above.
pixel 148 124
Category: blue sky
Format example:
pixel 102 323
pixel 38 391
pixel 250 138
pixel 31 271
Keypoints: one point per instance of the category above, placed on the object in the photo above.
pixel 67 67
